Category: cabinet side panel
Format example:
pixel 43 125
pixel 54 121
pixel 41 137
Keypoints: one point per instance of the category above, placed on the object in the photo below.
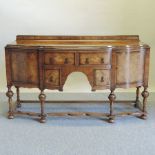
pixel 130 68
pixel 8 66
pixel 24 67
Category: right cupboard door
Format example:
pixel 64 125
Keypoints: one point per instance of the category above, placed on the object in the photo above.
pixel 130 68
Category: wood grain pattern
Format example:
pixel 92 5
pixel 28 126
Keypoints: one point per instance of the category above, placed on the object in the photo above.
pixel 101 77
pixel 24 67
pixel 52 77
pixel 59 58
pixel 94 58
pixel 130 67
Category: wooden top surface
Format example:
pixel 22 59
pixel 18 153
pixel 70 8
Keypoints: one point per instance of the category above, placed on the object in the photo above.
pixel 78 41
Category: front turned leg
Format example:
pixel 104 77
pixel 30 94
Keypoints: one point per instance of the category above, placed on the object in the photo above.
pixel 9 94
pixel 112 98
pixel 145 95
pixel 18 104
pixel 42 98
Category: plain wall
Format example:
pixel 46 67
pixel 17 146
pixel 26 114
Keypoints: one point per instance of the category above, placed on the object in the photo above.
pixel 77 17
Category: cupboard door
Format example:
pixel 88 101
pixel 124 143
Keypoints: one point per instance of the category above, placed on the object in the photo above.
pixel 24 66
pixel 130 68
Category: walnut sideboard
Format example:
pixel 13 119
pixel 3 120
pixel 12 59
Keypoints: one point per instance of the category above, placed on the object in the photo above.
pixel 109 62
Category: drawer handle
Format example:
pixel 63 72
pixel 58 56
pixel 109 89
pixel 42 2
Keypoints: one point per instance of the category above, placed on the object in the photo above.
pixel 87 61
pixel 51 60
pixel 102 60
pixel 66 61
pixel 51 79
pixel 102 79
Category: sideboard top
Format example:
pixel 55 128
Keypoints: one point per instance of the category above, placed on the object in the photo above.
pixel 77 41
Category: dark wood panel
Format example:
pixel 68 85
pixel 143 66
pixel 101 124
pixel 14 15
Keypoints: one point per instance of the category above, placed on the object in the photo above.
pixel 94 58
pixel 52 78
pixel 24 67
pixel 59 58
pixel 114 37
pixel 130 67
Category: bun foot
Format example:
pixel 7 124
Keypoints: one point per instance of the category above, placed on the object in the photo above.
pixel 111 120
pixel 143 117
pixel 42 119
pixel 10 116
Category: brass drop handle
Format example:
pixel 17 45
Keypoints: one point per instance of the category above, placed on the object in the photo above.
pixel 66 61
pixel 51 79
pixel 51 60
pixel 102 60
pixel 102 79
pixel 87 61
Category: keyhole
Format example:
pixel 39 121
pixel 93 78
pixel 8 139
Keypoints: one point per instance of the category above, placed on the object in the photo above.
pixel 102 60
pixel 102 79
pixel 87 61
pixel 66 61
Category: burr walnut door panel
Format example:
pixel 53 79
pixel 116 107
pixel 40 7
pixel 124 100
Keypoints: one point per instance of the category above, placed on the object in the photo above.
pixel 52 78
pixel 95 58
pixel 130 68
pixel 60 58
pixel 101 77
pixel 24 67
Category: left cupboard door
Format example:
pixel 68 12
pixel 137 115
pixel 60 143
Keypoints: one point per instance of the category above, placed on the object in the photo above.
pixel 24 67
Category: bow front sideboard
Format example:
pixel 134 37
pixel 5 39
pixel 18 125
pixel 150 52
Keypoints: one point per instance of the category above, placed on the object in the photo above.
pixel 109 62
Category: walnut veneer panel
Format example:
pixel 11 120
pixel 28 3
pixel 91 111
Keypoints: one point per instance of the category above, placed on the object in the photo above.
pixel 24 67
pixel 101 77
pixel 130 67
pixel 95 58
pixel 52 78
pixel 59 58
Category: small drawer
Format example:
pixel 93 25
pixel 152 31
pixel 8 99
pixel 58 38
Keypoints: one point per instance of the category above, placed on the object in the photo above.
pixel 52 77
pixel 94 58
pixel 59 58
pixel 101 77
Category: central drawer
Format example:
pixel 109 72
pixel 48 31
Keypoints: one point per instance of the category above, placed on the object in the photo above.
pixel 96 58
pixel 59 58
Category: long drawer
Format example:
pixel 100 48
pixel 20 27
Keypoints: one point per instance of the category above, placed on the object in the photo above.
pixel 59 58
pixel 96 58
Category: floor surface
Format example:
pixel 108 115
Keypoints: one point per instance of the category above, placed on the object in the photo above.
pixel 77 136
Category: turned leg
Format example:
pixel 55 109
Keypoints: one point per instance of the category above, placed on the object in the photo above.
pixel 145 95
pixel 18 104
pixel 42 98
pixel 9 94
pixel 137 102
pixel 112 98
